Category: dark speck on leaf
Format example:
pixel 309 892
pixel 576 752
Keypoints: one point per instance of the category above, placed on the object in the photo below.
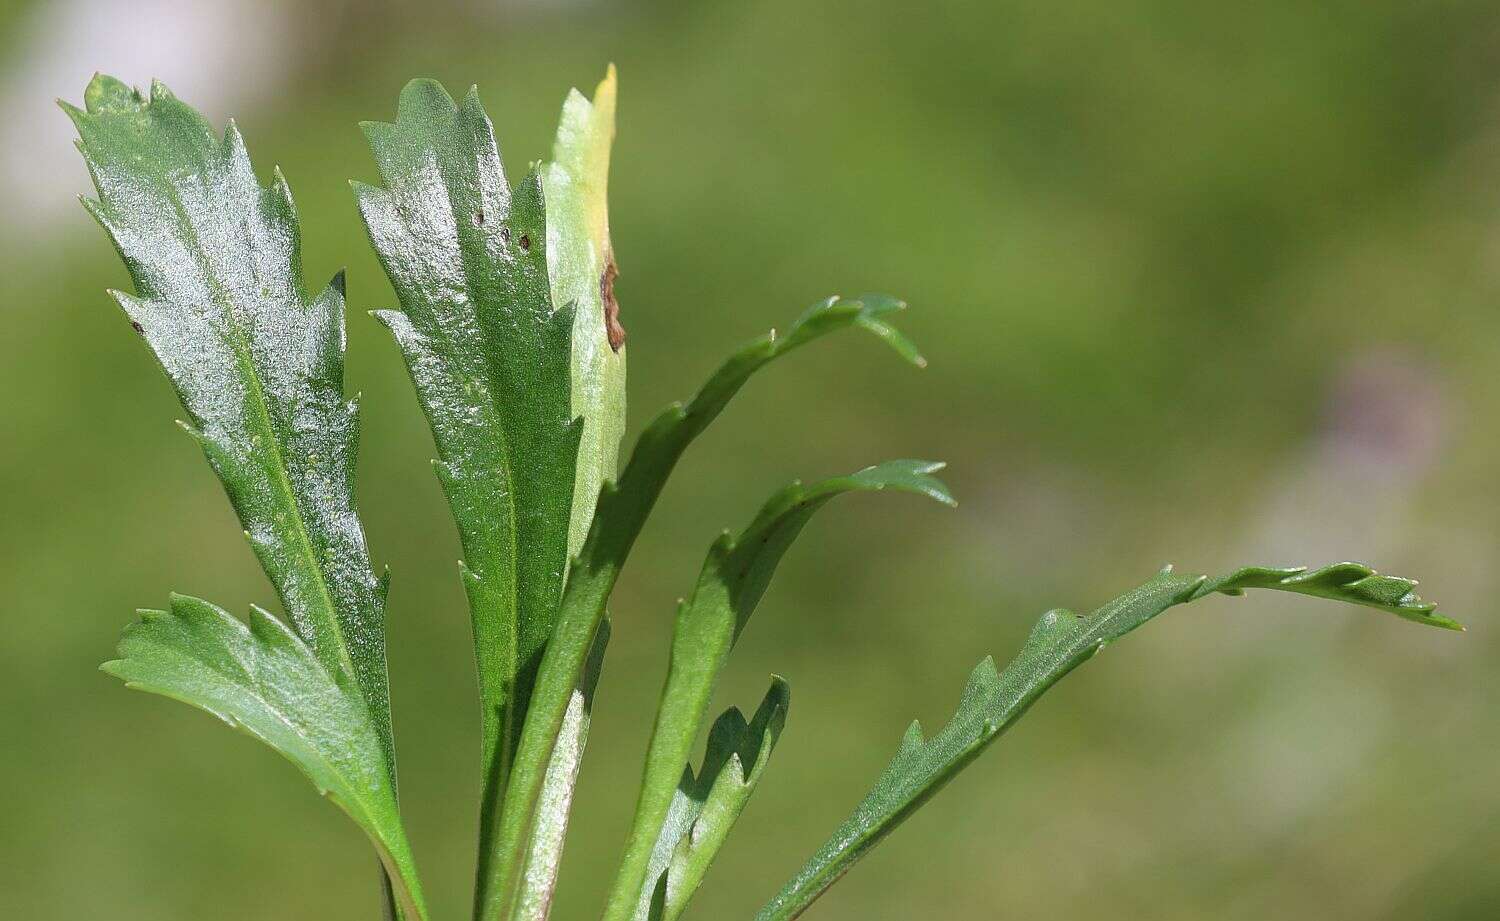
pixel 525 242
pixel 504 234
pixel 137 327
pixel 478 217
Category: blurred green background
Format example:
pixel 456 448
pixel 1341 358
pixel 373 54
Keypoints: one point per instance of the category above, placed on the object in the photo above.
pixel 1200 283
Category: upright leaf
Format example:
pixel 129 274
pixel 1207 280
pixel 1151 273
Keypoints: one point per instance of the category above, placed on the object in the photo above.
pixel 581 264
pixel 266 682
pixel 1060 642
pixel 734 577
pixel 258 364
pixel 623 508
pixel 706 805
pixel 550 827
pixel 489 354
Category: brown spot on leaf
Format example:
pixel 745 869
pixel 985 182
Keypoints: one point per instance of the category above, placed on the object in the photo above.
pixel 612 327
pixel 505 235
pixel 525 242
pixel 478 217
pixel 137 327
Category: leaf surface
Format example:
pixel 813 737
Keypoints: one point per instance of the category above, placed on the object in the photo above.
pixel 1061 641
pixel 489 355
pixel 581 268
pixel 258 364
pixel 266 682
pixel 550 826
pixel 706 806
pixel 734 577
pixel 581 265
pixel 623 508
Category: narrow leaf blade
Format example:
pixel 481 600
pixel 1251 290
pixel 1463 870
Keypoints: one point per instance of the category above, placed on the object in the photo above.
pixel 707 805
pixel 581 265
pixel 1060 641
pixel 623 508
pixel 544 856
pixel 734 577
pixel 582 270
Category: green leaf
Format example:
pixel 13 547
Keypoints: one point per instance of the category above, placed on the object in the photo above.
pixel 1060 642
pixel 266 682
pixel 489 355
pixel 550 828
pixel 705 807
pixel 581 264
pixel 623 508
pixel 257 363
pixel 734 577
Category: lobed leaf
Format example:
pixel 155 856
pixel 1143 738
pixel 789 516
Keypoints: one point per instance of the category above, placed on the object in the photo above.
pixel 216 261
pixel 734 577
pixel 622 510
pixel 266 682
pixel 257 363
pixel 706 806
pixel 489 354
pixel 1060 641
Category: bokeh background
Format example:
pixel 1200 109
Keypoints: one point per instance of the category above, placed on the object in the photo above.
pixel 1199 283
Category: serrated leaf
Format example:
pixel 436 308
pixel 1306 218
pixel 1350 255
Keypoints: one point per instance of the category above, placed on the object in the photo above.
pixel 622 511
pixel 216 261
pixel 581 267
pixel 734 577
pixel 705 806
pixel 265 681
pixel 257 363
pixel 489 355
pixel 1354 583
pixel 1060 642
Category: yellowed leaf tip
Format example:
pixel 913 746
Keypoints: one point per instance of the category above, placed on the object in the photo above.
pixel 604 99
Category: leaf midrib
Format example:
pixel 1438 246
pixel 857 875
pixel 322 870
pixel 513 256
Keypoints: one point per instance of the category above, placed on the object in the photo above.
pixel 505 449
pixel 1059 657
pixel 916 785
pixel 282 477
pixel 253 683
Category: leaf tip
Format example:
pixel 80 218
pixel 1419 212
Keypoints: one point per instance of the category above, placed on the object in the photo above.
pixel 1444 622
pixel 108 94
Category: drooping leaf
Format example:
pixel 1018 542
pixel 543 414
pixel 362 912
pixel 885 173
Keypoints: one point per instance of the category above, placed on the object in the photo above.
pixel 265 681
pixel 706 806
pixel 734 577
pixel 623 508
pixel 489 354
pixel 1060 641
pixel 581 264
